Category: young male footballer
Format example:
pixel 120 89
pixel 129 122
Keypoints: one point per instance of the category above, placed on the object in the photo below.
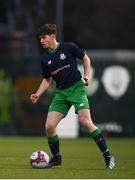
pixel 59 63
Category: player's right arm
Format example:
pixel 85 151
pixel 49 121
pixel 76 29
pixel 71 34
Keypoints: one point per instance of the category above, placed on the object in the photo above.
pixel 42 88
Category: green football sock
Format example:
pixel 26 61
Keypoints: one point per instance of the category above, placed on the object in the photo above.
pixel 53 142
pixel 100 141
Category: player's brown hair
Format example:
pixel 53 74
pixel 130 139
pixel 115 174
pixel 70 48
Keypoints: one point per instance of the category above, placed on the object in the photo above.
pixel 47 29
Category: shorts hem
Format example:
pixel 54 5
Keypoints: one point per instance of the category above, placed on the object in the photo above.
pixel 64 114
pixel 81 108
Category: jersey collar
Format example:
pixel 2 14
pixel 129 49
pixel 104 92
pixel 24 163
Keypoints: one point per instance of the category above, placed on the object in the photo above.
pixel 51 51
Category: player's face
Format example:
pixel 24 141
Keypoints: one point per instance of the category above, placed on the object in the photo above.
pixel 46 40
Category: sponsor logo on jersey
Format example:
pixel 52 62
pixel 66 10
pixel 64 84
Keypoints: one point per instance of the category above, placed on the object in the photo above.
pixel 60 69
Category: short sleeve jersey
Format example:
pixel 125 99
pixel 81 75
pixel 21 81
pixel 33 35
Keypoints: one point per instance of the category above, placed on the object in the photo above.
pixel 61 64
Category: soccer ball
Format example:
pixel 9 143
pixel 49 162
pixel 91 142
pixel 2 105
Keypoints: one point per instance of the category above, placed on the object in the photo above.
pixel 39 159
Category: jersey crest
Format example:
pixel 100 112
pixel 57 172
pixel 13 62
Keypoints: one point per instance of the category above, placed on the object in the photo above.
pixel 62 56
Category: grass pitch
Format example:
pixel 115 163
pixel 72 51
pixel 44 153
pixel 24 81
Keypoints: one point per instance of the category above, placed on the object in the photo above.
pixel 81 159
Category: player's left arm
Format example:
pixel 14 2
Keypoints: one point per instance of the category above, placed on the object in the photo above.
pixel 86 65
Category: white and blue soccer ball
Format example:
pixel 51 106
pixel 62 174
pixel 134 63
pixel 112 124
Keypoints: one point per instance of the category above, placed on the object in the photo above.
pixel 39 159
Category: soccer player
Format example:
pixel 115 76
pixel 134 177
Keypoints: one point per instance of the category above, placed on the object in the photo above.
pixel 59 63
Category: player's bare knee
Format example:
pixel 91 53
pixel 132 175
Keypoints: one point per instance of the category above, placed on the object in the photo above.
pixel 49 127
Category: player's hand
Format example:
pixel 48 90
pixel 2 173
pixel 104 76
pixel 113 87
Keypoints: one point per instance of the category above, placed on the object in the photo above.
pixel 86 81
pixel 34 98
